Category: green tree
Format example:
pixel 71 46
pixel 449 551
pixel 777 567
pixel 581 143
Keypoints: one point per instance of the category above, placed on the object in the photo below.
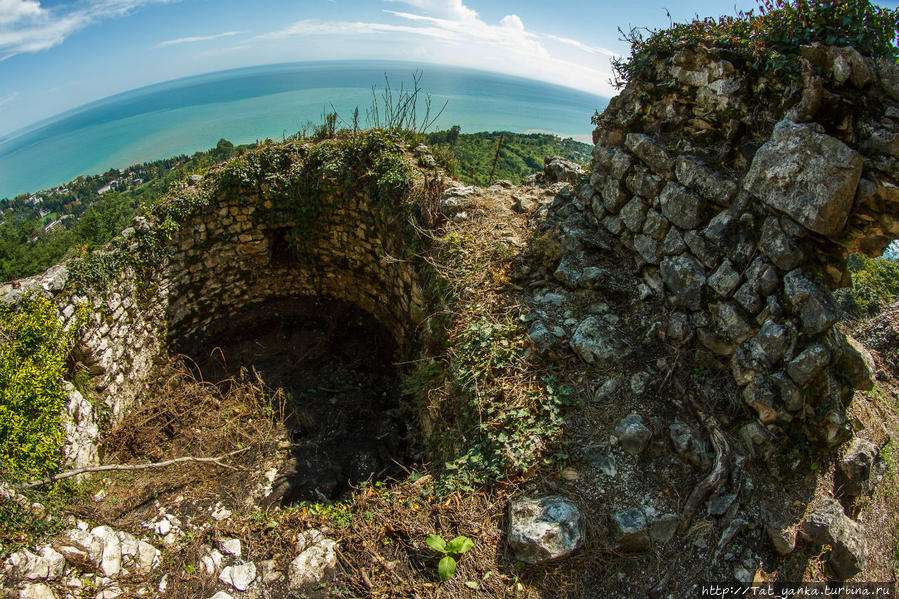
pixel 453 135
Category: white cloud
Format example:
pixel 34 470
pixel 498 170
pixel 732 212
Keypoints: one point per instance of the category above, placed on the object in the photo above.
pixel 510 33
pixel 512 22
pixel 8 98
pixel 316 27
pixel 201 38
pixel 508 47
pixel 456 34
pixel 449 9
pixel 582 46
pixel 12 11
pixel 29 27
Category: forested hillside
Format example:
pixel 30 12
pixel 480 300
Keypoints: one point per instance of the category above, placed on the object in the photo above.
pixel 520 154
pixel 42 228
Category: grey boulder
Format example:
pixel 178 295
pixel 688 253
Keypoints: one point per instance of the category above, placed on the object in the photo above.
pixel 685 277
pixel 810 302
pixel 544 528
pixel 633 434
pixel 807 175
pixel 561 170
pixel 827 524
pixel 597 342
pixel 630 530
pixel 861 468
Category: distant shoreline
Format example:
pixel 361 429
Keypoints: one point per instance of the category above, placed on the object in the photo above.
pixel 252 104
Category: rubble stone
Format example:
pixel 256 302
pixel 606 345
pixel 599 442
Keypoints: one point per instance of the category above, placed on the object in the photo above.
pixel 544 528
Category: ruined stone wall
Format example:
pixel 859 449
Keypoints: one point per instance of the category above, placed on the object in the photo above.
pixel 119 344
pixel 240 255
pixel 233 254
pixel 741 197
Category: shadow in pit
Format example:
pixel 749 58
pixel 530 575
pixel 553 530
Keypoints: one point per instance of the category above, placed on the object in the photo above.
pixel 335 364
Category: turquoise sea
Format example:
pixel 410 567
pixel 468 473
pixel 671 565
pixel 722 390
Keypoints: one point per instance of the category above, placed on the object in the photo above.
pixel 245 105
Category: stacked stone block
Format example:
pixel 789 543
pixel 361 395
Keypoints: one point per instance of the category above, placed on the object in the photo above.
pixel 228 260
pixel 747 254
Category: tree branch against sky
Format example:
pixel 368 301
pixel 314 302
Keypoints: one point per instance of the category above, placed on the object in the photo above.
pixel 58 54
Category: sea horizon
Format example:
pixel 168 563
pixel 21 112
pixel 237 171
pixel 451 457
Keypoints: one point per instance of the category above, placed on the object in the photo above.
pixel 191 114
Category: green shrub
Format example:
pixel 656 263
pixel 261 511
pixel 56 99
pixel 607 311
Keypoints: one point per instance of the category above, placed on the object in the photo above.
pixel 21 527
pixel 769 39
pixel 446 158
pixel 875 283
pixel 33 350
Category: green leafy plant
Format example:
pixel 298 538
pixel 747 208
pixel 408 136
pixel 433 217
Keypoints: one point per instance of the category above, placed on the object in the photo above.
pixel 21 527
pixel 700 373
pixel 34 344
pixel 769 39
pixel 501 431
pixel 875 284
pixel 451 553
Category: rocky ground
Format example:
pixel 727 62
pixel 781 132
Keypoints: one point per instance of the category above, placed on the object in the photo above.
pixel 613 511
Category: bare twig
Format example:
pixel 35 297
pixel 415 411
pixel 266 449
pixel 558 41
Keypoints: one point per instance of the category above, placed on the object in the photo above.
pixel 121 467
pixel 670 371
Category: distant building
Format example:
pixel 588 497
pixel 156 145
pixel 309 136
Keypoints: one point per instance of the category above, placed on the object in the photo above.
pixel 57 223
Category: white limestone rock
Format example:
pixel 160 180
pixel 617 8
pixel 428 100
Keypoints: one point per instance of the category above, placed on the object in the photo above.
pixel 239 576
pixel 111 557
pixel 318 557
pixel 230 547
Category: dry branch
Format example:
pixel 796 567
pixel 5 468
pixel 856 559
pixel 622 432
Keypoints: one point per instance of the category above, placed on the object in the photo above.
pixel 719 472
pixel 118 467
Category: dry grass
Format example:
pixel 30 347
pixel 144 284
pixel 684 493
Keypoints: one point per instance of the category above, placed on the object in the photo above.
pixel 876 413
pixel 184 415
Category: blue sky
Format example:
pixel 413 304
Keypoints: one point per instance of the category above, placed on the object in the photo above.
pixel 58 54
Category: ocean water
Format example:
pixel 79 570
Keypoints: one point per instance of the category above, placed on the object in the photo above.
pixel 245 105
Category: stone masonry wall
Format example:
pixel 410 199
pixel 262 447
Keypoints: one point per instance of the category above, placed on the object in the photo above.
pixel 237 256
pixel 233 255
pixel 741 197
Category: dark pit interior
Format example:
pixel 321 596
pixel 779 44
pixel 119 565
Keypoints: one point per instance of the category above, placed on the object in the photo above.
pixel 336 364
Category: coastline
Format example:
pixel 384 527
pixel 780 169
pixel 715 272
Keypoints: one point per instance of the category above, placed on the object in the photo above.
pixel 269 102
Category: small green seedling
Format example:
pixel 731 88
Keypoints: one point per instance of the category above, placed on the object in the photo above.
pixel 451 552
